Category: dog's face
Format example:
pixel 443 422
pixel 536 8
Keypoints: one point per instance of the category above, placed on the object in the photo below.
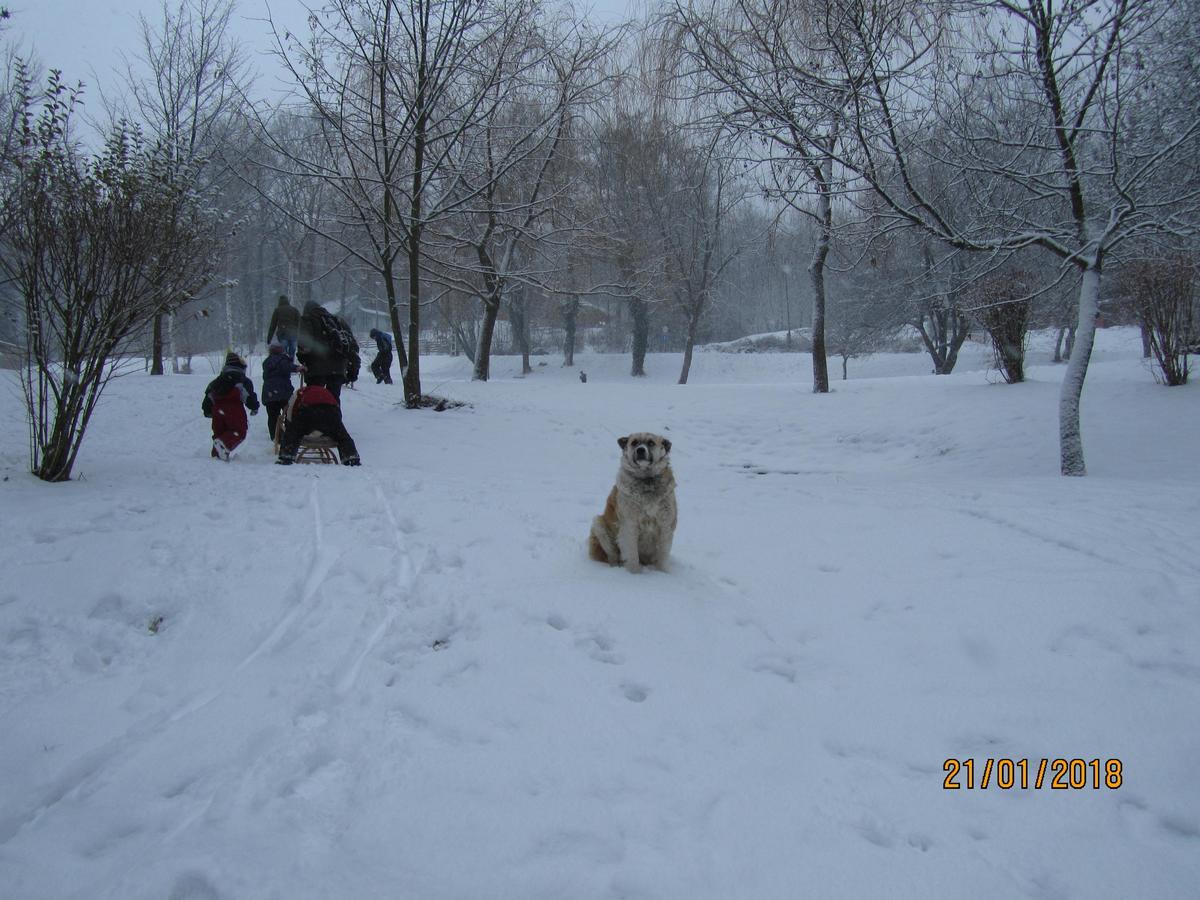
pixel 644 455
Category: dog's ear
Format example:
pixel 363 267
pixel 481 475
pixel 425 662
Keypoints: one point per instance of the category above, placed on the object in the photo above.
pixel 621 442
pixel 666 445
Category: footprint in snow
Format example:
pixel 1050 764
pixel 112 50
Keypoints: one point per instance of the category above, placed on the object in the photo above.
pixel 635 693
pixel 600 648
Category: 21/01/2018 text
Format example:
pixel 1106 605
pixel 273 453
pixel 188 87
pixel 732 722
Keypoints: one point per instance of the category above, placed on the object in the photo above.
pixel 1056 774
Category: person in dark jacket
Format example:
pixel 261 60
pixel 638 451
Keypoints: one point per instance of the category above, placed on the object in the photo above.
pixel 285 323
pixel 225 401
pixel 381 366
pixel 277 371
pixel 314 408
pixel 353 361
pixel 323 364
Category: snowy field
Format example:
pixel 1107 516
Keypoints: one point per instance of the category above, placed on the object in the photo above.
pixel 408 681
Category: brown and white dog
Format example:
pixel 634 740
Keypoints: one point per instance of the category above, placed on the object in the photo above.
pixel 638 523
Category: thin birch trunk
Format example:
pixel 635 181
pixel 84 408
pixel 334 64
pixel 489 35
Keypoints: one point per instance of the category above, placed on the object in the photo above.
pixel 1070 434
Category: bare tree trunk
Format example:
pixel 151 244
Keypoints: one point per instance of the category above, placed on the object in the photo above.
pixel 641 334
pixel 570 312
pixel 816 270
pixel 1058 343
pixel 310 263
pixel 1070 436
pixel 943 332
pixel 412 375
pixel 689 343
pixel 156 348
pixel 1146 348
pixel 171 351
pixel 258 285
pixel 389 287
pixel 520 326
pixel 483 349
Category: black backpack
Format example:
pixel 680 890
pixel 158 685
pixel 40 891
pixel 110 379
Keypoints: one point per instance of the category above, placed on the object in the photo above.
pixel 346 344
pixel 347 347
pixel 334 334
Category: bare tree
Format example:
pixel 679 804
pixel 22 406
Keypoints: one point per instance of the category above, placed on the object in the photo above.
pixel 391 87
pixel 96 245
pixel 691 215
pixel 515 179
pixel 194 74
pixel 855 330
pixel 931 285
pixel 623 177
pixel 1029 105
pixel 781 77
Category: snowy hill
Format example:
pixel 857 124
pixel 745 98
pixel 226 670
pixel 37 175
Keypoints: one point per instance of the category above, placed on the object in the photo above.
pixel 408 681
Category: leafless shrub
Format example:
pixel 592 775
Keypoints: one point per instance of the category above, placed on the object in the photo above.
pixel 95 245
pixel 1161 293
pixel 1002 303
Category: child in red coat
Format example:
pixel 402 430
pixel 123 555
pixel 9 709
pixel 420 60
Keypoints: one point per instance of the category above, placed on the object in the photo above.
pixel 225 402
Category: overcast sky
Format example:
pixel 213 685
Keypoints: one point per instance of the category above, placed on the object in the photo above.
pixel 85 38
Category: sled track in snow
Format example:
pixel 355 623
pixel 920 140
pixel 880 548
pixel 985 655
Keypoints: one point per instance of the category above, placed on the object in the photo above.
pixel 91 766
pixel 404 577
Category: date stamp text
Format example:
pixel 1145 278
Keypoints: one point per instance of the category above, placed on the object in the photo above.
pixel 1023 774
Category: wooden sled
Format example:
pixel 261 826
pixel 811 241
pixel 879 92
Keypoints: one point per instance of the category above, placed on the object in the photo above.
pixel 315 447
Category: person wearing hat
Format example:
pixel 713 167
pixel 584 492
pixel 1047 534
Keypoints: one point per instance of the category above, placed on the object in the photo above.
pixel 225 401
pixel 285 322
pixel 277 371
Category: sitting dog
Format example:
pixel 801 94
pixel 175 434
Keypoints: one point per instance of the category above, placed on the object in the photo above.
pixel 638 523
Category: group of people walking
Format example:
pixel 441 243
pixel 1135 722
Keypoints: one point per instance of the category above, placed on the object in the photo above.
pixel 322 348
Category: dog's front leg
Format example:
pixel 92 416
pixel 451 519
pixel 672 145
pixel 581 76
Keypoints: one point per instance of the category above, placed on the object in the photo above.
pixel 664 551
pixel 627 543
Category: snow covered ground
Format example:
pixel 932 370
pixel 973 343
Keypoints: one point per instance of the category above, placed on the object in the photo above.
pixel 408 681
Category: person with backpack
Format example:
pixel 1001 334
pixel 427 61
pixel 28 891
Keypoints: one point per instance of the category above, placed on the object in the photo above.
pixel 322 348
pixel 277 371
pixel 315 408
pixel 381 366
pixel 225 401
pixel 285 322
pixel 353 360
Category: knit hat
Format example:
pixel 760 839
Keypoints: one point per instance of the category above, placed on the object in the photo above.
pixel 275 344
pixel 232 359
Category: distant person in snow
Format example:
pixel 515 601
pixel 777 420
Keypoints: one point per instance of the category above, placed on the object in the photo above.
pixel 277 371
pixel 314 408
pixel 225 401
pixel 285 323
pixel 381 366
